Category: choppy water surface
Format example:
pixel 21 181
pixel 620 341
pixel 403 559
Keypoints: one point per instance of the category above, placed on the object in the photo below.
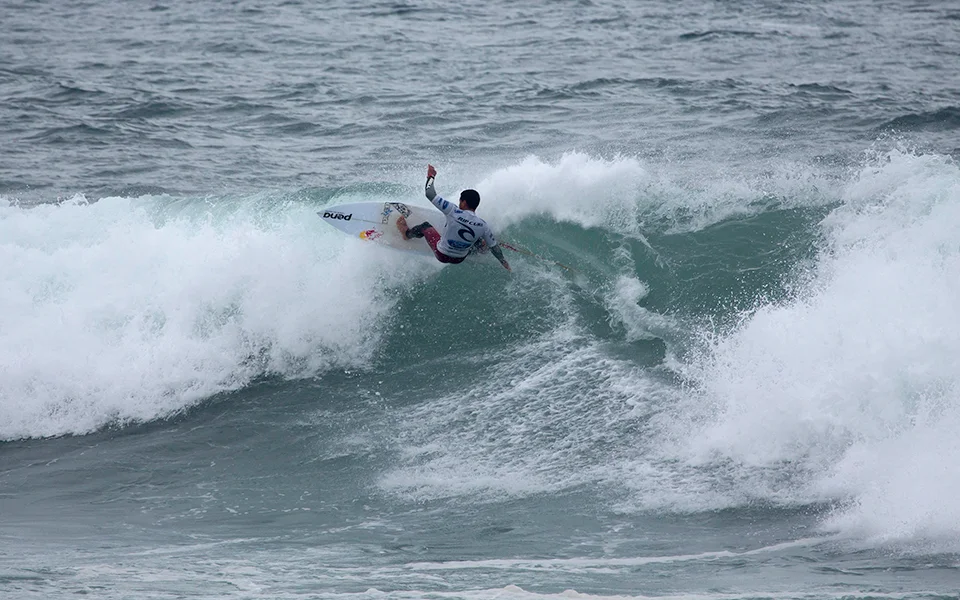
pixel 746 386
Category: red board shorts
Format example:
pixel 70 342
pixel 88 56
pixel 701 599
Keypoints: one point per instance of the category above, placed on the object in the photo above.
pixel 433 238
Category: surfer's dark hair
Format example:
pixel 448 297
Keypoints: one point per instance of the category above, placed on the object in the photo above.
pixel 471 197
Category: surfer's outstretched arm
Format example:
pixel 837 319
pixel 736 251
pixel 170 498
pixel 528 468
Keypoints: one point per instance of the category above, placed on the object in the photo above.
pixel 491 243
pixel 499 254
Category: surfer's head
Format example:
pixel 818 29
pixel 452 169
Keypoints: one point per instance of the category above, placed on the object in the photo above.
pixel 469 200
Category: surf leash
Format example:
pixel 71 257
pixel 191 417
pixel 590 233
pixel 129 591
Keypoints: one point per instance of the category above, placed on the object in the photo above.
pixel 537 256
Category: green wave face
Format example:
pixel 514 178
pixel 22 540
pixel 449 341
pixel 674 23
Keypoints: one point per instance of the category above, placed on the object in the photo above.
pixel 706 344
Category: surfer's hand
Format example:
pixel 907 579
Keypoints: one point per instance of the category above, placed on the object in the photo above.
pixel 506 266
pixel 431 172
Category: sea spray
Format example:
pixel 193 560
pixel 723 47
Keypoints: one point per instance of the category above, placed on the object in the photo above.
pixel 852 386
pixel 109 316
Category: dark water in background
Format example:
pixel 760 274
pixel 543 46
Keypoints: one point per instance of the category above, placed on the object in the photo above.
pixel 749 389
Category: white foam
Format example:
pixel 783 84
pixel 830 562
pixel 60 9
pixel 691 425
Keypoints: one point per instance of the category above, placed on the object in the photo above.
pixel 130 309
pixel 623 194
pixel 532 425
pixel 639 323
pixel 851 391
pixel 580 564
pixel 515 592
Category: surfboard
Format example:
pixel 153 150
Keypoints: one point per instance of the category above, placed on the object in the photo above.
pixel 377 222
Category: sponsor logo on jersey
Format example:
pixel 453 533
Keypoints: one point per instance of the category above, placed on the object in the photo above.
pixel 337 215
pixel 466 221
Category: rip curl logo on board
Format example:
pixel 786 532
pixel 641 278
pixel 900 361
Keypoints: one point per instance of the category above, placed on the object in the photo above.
pixel 401 208
pixel 337 215
pixel 390 207
pixel 370 234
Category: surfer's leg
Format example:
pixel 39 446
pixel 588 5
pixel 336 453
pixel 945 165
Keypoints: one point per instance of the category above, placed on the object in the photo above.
pixel 402 226
pixel 419 230
pixel 424 230
pixel 433 238
pixel 408 232
pixel 431 235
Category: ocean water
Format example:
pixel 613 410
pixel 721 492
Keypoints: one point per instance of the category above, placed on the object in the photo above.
pixel 745 386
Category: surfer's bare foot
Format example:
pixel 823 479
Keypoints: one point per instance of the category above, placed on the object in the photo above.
pixel 402 226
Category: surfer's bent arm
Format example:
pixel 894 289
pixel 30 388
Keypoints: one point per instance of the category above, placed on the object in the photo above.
pixel 431 193
pixel 438 201
pixel 444 206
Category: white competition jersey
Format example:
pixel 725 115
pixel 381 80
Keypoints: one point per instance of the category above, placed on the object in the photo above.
pixel 462 230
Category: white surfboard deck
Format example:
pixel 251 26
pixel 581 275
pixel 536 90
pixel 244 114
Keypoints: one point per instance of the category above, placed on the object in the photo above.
pixel 377 222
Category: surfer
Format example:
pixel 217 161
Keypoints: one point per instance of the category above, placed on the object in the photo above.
pixel 463 228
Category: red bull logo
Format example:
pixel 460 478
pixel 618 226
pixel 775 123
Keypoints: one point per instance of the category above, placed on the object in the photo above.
pixel 370 234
